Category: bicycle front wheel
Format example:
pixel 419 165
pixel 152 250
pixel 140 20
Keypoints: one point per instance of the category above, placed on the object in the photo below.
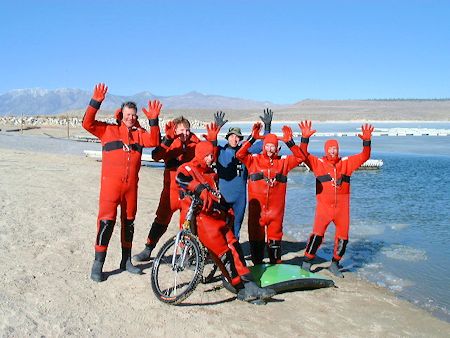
pixel 177 269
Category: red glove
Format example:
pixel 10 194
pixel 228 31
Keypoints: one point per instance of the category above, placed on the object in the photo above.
pixel 207 199
pixel 256 131
pixel 100 92
pixel 367 130
pixel 287 134
pixel 170 130
pixel 212 129
pixel 154 107
pixel 305 127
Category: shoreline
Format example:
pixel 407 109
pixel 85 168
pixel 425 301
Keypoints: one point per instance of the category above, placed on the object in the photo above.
pixel 75 122
pixel 75 181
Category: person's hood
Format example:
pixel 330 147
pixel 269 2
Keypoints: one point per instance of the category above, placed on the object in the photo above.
pixel 270 138
pixel 202 149
pixel 328 144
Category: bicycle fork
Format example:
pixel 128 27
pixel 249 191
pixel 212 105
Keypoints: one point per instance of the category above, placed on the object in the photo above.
pixel 186 227
pixel 177 265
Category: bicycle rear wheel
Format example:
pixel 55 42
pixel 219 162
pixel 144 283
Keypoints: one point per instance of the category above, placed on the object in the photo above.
pixel 177 269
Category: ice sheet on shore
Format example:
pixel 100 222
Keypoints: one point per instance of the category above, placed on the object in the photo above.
pixel 404 253
pixel 374 272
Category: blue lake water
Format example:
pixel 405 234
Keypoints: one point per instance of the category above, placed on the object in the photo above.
pixel 400 214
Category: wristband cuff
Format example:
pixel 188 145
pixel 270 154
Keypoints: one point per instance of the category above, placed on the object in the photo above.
pixel 153 122
pixel 290 143
pixel 251 139
pixel 214 143
pixel 95 104
pixel 167 142
pixel 305 140
pixel 366 143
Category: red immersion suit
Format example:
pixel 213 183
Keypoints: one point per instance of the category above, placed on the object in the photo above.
pixel 332 195
pixel 173 153
pixel 214 226
pixel 121 161
pixel 267 179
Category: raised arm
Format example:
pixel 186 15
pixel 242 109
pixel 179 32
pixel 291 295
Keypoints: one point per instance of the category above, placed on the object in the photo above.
pixel 219 119
pixel 93 126
pixel 243 153
pixel 212 130
pixel 266 118
pixel 299 157
pixel 307 132
pixel 152 139
pixel 160 152
pixel 355 161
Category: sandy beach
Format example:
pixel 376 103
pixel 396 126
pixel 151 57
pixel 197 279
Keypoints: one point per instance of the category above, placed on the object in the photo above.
pixel 48 206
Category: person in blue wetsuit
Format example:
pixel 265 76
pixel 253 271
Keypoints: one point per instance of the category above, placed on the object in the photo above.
pixel 232 173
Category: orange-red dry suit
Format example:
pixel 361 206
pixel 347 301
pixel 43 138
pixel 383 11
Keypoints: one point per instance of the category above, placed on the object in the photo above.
pixel 173 153
pixel 332 195
pixel 267 180
pixel 121 162
pixel 214 226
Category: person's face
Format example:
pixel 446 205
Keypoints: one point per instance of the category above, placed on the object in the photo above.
pixel 332 152
pixel 270 149
pixel 182 132
pixel 129 116
pixel 233 140
pixel 209 159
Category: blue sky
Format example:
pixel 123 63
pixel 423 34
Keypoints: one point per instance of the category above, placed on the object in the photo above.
pixel 280 51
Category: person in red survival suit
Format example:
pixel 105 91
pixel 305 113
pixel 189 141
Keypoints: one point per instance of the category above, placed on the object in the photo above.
pixel 177 147
pixel 121 160
pixel 267 179
pixel 332 193
pixel 214 222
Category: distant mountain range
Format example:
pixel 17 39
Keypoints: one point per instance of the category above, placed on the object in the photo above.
pixel 199 106
pixel 37 101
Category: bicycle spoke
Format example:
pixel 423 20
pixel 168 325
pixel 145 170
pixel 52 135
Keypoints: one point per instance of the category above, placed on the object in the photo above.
pixel 177 269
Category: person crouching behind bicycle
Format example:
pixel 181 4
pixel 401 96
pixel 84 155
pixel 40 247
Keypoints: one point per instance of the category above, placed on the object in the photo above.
pixel 213 222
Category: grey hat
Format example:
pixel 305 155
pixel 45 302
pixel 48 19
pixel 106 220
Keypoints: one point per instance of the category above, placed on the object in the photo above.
pixel 236 131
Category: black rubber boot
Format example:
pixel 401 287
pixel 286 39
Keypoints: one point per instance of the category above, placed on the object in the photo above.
pixel 126 264
pixel 252 292
pixel 97 267
pixel 313 244
pixel 274 250
pixel 335 269
pixel 229 265
pixel 144 255
pixel 257 251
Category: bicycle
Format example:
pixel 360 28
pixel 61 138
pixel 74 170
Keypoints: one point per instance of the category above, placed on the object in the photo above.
pixel 178 266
